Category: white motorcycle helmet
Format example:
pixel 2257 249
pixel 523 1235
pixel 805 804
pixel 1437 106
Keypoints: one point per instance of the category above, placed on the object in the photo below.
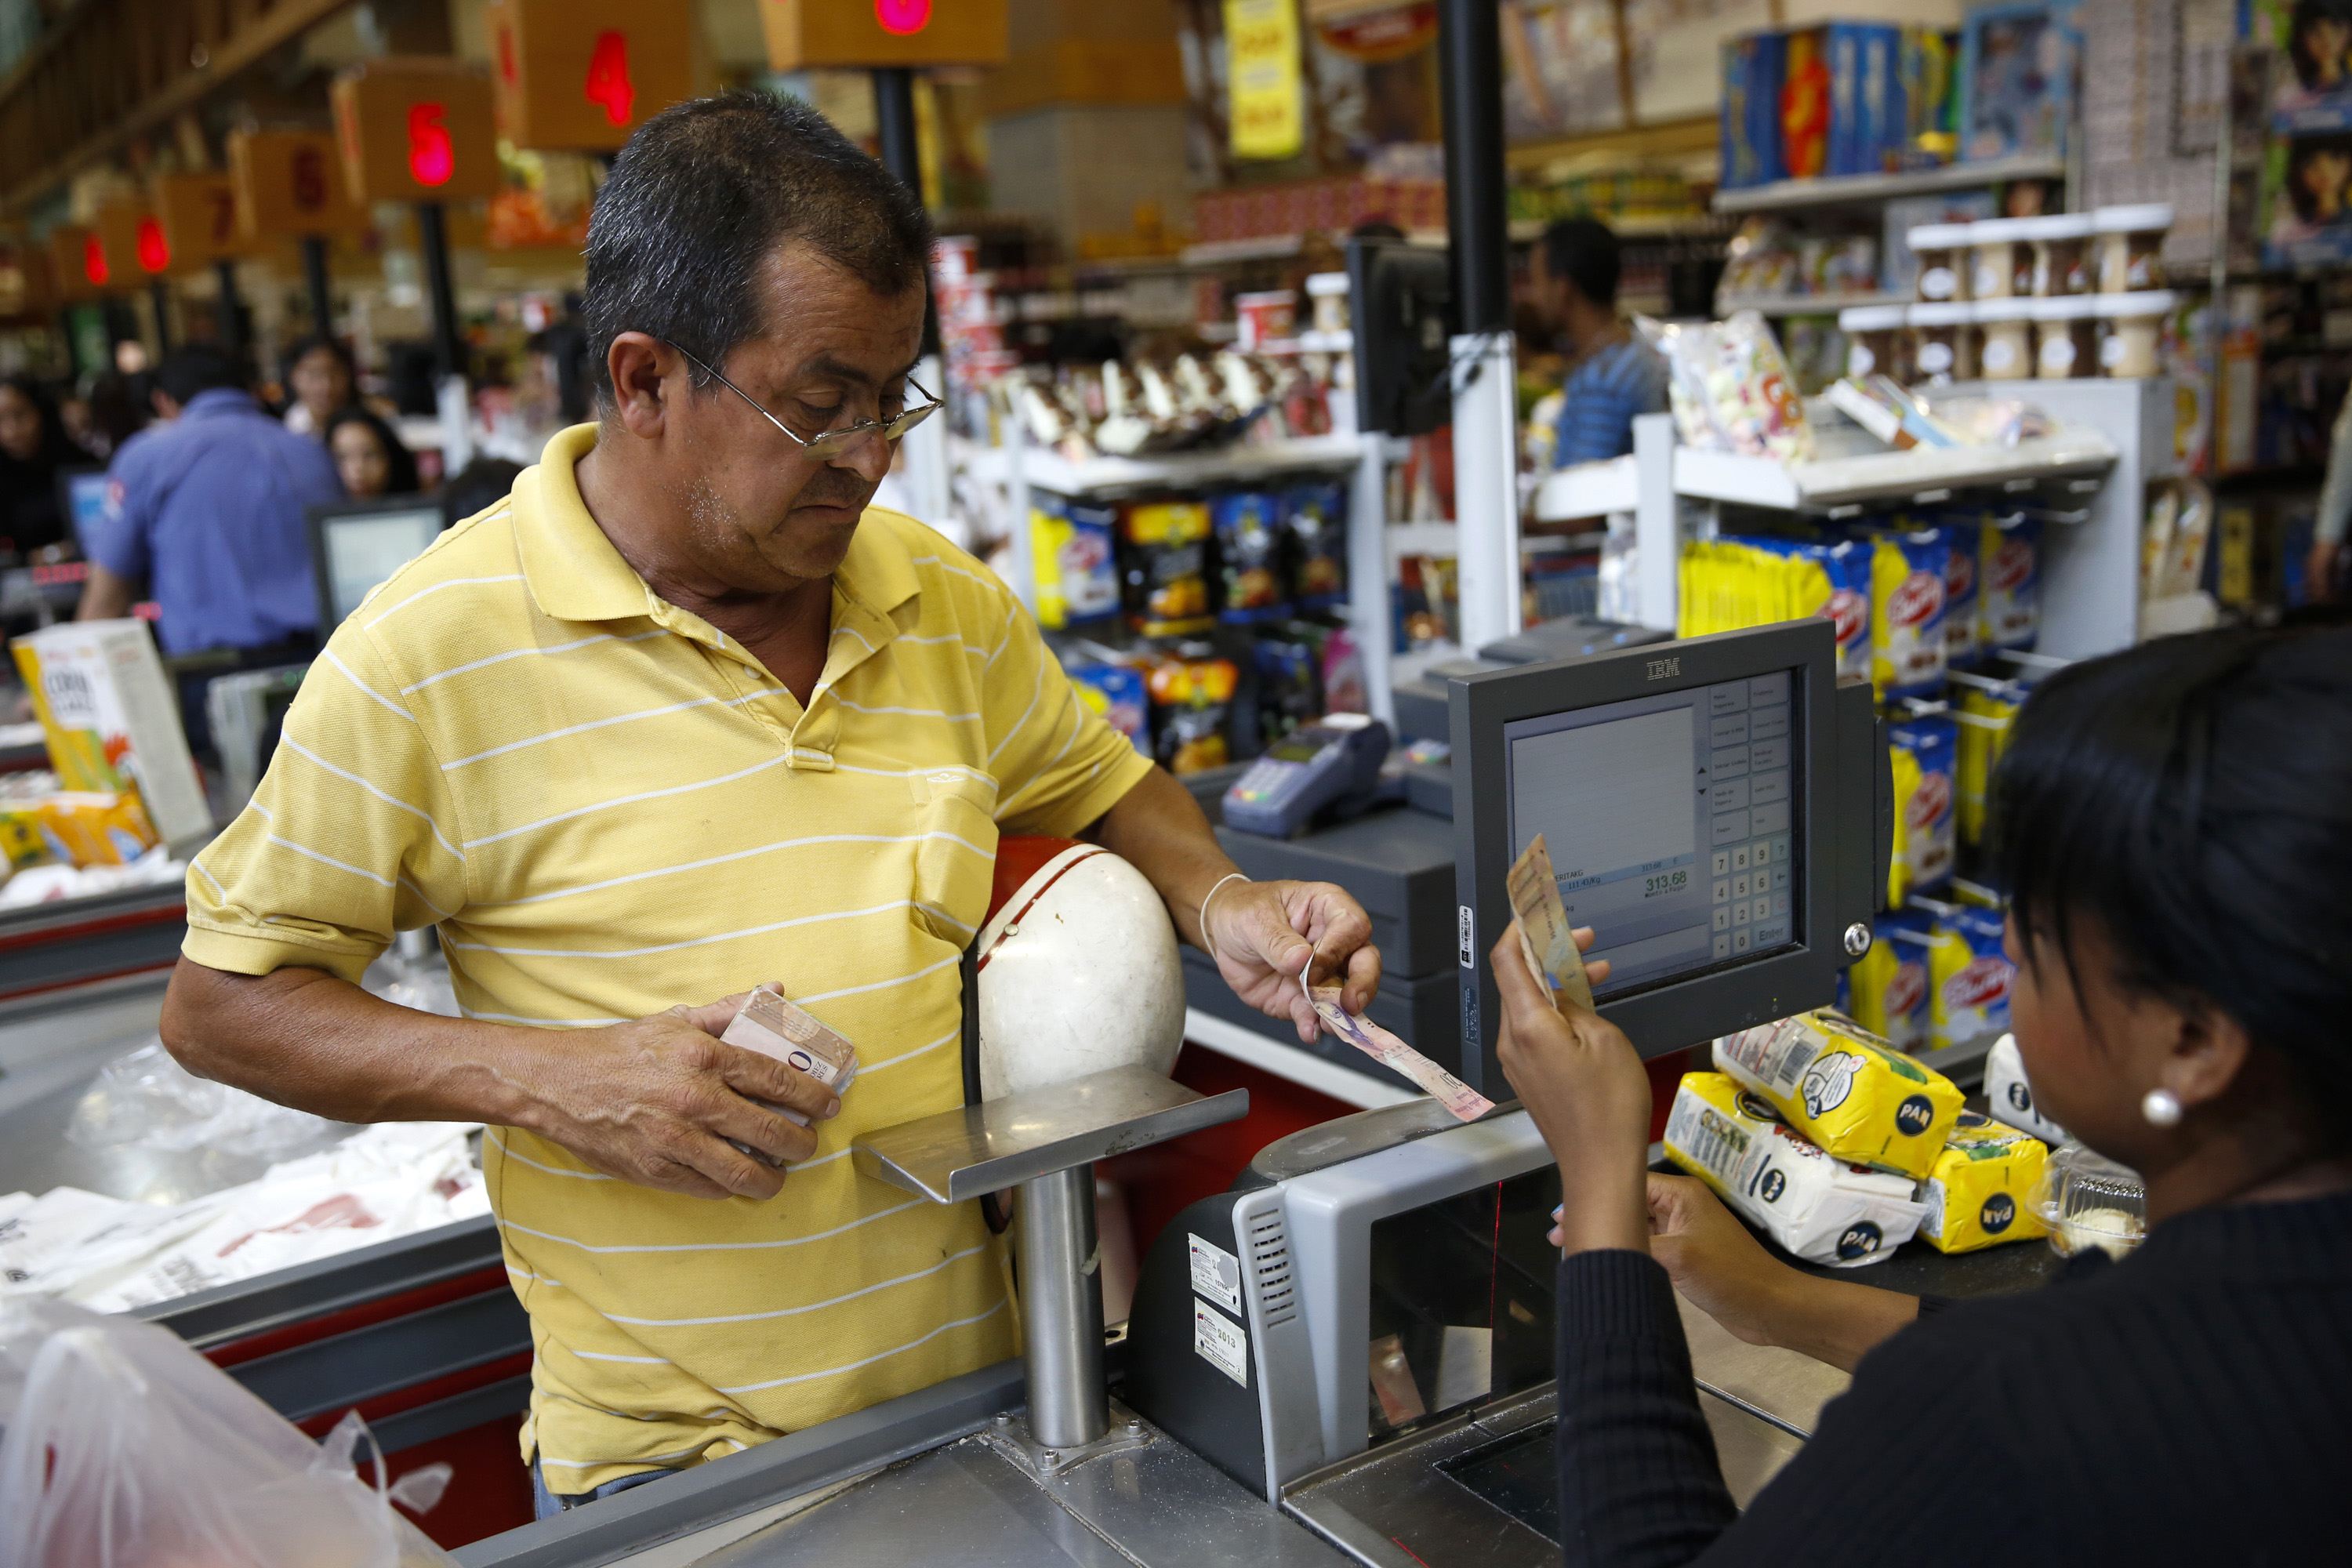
pixel 1078 969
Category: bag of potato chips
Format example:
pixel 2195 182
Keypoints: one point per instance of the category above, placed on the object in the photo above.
pixel 1849 1091
pixel 1814 1208
pixel 1979 1192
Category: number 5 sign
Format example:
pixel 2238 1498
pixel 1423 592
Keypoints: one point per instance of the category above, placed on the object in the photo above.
pixel 581 75
pixel 416 130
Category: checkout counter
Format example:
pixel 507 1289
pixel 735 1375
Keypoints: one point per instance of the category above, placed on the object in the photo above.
pixel 1345 1358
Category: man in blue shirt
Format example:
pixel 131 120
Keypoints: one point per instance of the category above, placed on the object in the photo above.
pixel 214 519
pixel 1612 375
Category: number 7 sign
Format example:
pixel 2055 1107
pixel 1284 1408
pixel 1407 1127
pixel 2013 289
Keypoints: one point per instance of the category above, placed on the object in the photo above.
pixel 581 74
pixel 198 214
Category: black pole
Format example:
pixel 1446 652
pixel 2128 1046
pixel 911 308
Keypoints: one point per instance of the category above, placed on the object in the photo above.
pixel 894 112
pixel 322 295
pixel 902 154
pixel 231 307
pixel 159 300
pixel 432 235
pixel 1470 70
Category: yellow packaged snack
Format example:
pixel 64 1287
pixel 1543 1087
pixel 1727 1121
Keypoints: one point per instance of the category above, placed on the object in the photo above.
pixel 1986 713
pixel 85 828
pixel 1979 1193
pixel 1857 1097
pixel 1903 764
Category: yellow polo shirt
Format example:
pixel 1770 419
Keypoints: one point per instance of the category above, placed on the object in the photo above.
pixel 609 808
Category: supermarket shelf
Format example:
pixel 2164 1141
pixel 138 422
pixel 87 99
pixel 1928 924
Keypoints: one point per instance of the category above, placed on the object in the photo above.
pixel 1337 342
pixel 1255 248
pixel 1823 484
pixel 1778 305
pixel 1639 225
pixel 1588 490
pixel 1181 470
pixel 1784 195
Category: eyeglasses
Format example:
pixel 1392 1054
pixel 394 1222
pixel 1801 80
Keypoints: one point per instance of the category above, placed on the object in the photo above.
pixel 830 444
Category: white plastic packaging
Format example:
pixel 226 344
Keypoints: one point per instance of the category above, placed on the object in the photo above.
pixel 2011 1098
pixel 120 1447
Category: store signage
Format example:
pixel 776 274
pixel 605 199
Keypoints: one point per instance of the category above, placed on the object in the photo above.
pixel 581 75
pixel 68 248
pixel 876 33
pixel 127 237
pixel 290 182
pixel 1263 84
pixel 416 129
pixel 197 214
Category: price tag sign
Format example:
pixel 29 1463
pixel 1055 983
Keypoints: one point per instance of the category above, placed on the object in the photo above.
pixel 290 182
pixel 416 130
pixel 869 33
pixel 581 75
pixel 198 215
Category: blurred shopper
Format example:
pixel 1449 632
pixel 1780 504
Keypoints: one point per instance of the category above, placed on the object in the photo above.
pixel 34 450
pixel 371 459
pixel 214 525
pixel 2173 832
pixel 120 406
pixel 2328 573
pixel 1611 375
pixel 320 379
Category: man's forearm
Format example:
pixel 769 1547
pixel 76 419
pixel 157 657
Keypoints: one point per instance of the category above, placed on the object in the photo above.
pixel 1158 828
pixel 303 1038
pixel 105 595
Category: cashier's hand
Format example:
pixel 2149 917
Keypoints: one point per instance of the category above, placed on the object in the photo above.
pixel 1717 1261
pixel 655 1102
pixel 1262 933
pixel 1584 1082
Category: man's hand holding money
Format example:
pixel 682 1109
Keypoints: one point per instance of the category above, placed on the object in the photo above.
pixel 1262 933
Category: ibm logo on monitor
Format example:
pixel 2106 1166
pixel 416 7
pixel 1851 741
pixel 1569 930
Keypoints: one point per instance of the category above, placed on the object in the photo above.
pixel 1666 668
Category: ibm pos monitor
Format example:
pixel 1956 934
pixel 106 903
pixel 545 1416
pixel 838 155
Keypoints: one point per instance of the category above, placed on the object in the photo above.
pixel 1715 809
pixel 354 545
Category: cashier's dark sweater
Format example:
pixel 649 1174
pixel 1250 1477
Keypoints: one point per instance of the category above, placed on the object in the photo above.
pixel 2190 1404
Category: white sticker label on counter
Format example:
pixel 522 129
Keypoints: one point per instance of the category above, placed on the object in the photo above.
pixel 1216 1274
pixel 1218 1341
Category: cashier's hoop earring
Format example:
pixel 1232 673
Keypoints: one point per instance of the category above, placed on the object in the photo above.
pixel 2161 1106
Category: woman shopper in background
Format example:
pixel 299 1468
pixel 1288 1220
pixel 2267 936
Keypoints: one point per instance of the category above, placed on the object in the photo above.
pixel 2175 830
pixel 368 458
pixel 34 450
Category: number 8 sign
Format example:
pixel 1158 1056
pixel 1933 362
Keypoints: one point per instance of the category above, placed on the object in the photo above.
pixel 581 75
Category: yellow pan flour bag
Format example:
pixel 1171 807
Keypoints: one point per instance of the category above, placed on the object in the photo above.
pixel 1980 1191
pixel 1857 1097
pixel 1814 1208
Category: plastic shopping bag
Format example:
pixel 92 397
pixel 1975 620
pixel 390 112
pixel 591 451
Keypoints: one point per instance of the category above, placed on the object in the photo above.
pixel 123 1447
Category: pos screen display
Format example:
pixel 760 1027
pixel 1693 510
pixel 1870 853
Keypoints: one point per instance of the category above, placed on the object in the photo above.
pixel 1717 809
pixel 1673 881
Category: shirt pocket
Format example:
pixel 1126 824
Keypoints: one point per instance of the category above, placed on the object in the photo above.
pixel 955 861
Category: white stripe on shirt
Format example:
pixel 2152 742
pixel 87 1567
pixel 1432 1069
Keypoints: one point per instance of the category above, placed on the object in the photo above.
pixel 300 750
pixel 775 761
pixel 527 653
pixel 828 915
pixel 506 1224
pixel 796 1311
pixel 428 592
pixel 604 724
pixel 869 1361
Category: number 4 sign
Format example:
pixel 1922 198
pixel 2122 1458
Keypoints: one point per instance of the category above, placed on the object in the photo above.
pixel 581 75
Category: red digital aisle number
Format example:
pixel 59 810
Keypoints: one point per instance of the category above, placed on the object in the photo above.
pixel 608 85
pixel 903 17
pixel 93 261
pixel 431 158
pixel 154 251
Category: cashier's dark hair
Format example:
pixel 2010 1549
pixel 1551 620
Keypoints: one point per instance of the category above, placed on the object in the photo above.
pixel 705 192
pixel 2190 800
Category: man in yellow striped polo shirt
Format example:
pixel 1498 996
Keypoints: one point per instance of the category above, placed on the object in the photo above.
pixel 680 717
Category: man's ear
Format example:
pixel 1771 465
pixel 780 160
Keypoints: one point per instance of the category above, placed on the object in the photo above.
pixel 2206 1055
pixel 638 364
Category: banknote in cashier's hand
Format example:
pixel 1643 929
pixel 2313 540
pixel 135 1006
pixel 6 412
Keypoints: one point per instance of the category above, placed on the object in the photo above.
pixel 1544 934
pixel 1465 1102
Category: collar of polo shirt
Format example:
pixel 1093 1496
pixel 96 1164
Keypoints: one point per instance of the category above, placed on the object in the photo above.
pixel 576 575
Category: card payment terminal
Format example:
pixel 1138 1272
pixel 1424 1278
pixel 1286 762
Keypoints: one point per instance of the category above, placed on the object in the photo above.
pixel 1321 765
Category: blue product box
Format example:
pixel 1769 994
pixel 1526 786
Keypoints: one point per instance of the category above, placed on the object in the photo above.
pixel 1750 110
pixel 2018 70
